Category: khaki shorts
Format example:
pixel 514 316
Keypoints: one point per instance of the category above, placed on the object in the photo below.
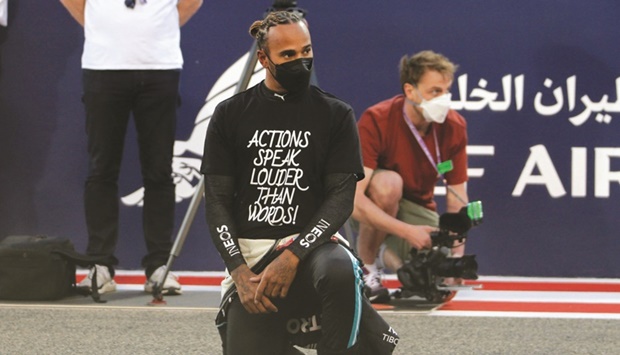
pixel 414 214
pixel 408 212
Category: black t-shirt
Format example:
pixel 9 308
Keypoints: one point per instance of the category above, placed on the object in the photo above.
pixel 278 150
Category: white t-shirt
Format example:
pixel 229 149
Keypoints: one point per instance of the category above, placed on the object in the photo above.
pixel 120 38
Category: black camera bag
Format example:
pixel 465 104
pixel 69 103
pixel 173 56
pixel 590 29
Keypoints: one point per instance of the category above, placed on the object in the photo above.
pixel 39 268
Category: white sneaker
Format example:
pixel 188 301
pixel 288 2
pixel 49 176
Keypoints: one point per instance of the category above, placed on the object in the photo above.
pixel 374 289
pixel 105 282
pixel 171 284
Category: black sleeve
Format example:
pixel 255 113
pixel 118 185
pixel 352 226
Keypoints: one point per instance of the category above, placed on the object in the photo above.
pixel 344 153
pixel 331 215
pixel 219 193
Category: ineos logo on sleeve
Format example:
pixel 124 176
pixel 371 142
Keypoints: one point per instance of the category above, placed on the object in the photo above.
pixel 314 234
pixel 227 241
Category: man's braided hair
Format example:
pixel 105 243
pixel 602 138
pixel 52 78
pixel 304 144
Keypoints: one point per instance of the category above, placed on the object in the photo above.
pixel 259 29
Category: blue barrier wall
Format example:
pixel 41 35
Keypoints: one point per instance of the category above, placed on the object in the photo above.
pixel 537 82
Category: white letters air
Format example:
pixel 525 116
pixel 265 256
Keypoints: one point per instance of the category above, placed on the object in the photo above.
pixel 539 159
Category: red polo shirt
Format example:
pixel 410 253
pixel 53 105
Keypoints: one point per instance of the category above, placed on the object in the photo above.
pixel 388 143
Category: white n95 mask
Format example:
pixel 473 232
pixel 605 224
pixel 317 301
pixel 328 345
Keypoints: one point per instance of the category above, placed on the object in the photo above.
pixel 436 110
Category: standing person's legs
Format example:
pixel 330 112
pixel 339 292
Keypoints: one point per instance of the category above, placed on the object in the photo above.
pixel 107 100
pixel 155 119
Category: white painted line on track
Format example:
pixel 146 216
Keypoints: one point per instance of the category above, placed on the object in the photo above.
pixel 539 296
pixel 567 315
pixel 95 306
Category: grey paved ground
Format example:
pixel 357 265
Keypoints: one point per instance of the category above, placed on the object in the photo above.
pixel 126 325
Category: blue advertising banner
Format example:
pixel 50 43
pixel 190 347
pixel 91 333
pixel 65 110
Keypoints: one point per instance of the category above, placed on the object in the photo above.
pixel 537 82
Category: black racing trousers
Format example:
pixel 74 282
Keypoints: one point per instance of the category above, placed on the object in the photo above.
pixel 324 308
pixel 110 97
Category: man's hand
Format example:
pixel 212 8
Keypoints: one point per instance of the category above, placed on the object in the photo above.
pixel 277 277
pixel 419 236
pixel 246 288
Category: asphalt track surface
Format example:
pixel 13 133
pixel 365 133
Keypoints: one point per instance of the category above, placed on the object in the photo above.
pixel 504 316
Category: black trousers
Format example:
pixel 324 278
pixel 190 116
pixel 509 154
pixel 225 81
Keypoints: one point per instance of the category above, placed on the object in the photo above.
pixel 324 308
pixel 110 97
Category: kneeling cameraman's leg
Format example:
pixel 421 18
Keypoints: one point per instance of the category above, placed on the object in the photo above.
pixel 414 214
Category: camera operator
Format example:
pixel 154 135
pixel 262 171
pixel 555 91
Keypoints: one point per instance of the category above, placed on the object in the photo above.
pixel 409 143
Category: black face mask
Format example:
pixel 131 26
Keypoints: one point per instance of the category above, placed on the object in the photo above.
pixel 294 76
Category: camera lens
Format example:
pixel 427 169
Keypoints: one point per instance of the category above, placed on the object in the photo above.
pixel 464 267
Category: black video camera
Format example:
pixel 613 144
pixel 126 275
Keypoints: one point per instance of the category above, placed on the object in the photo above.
pixel 423 275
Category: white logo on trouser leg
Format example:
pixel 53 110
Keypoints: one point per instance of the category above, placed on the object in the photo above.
pixel 304 325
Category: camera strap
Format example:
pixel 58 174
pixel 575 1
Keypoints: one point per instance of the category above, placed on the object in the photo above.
pixel 440 167
pixel 423 145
